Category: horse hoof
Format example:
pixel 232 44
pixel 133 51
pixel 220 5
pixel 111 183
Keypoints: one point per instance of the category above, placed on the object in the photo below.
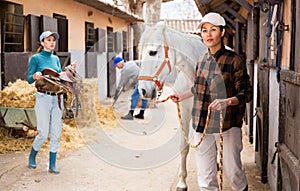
pixel 181 189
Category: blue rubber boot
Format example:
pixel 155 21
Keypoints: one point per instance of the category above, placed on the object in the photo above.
pixel 32 162
pixel 52 167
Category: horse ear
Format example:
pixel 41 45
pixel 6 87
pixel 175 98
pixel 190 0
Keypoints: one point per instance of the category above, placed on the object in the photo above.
pixel 165 22
pixel 164 25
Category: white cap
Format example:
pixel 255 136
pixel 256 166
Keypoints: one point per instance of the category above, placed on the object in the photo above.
pixel 48 33
pixel 213 18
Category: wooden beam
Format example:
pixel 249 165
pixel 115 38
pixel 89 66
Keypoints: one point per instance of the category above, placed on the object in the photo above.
pixel 202 7
pixel 244 4
pixel 232 22
pixel 237 47
pixel 226 7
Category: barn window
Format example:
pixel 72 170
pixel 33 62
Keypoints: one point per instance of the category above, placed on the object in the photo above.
pixel 124 41
pixel 89 37
pixel 62 29
pixel 110 39
pixel 12 22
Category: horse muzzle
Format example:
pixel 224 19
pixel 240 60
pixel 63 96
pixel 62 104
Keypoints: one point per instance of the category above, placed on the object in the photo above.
pixel 147 89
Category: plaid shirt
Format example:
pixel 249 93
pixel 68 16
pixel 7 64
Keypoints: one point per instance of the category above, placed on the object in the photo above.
pixel 220 76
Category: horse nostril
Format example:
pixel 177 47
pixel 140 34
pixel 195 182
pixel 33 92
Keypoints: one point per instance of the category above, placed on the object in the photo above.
pixel 143 92
pixel 153 94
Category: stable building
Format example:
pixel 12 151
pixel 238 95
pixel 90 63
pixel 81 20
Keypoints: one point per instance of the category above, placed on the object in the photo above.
pixel 91 32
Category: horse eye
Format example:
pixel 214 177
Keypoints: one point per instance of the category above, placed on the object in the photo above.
pixel 152 53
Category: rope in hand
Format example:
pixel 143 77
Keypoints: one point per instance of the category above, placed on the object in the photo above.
pixel 203 135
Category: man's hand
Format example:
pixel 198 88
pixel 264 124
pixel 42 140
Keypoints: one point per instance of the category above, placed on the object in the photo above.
pixel 116 96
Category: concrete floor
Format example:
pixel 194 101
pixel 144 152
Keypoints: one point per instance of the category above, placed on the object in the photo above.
pixel 137 155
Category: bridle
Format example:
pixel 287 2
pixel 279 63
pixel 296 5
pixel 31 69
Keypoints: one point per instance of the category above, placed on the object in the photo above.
pixel 164 63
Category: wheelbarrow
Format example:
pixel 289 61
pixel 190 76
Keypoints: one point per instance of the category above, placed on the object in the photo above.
pixel 18 119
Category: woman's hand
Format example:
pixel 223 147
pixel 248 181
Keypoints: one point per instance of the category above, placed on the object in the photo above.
pixel 74 64
pixel 218 104
pixel 37 76
pixel 176 98
pixel 180 97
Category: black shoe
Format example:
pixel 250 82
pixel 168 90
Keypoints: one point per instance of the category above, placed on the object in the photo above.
pixel 127 117
pixel 139 116
pixel 246 188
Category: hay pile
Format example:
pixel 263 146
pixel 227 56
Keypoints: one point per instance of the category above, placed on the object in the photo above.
pixel 105 113
pixel 106 116
pixel 18 94
pixel 22 95
pixel 9 143
pixel 69 140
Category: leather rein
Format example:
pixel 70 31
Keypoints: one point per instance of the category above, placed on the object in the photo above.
pixel 164 63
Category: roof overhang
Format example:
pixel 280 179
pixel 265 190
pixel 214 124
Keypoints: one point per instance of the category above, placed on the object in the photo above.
pixel 111 10
pixel 232 10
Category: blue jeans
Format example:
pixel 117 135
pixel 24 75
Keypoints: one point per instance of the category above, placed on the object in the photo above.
pixel 135 98
pixel 48 118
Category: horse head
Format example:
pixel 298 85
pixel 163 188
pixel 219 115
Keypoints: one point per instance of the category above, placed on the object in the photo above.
pixel 161 49
pixel 157 60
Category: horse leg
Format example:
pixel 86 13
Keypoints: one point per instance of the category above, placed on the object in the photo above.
pixel 182 173
pixel 184 147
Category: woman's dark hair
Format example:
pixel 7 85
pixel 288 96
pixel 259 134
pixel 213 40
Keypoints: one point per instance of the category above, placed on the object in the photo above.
pixel 222 28
pixel 39 49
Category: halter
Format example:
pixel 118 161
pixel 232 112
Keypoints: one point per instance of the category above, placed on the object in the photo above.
pixel 155 77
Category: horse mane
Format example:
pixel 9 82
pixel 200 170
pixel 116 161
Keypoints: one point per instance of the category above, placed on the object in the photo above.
pixel 161 28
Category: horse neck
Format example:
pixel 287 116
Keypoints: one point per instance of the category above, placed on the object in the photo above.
pixel 187 49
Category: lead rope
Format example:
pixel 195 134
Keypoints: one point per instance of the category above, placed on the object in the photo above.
pixel 221 152
pixel 202 136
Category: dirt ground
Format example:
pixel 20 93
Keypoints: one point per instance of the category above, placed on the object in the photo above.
pixel 104 164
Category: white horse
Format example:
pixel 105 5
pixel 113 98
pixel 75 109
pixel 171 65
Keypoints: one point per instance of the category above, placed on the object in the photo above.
pixel 161 48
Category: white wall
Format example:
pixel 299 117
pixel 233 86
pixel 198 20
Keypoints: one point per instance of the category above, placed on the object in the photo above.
pixel 78 56
pixel 273 128
pixel 102 76
pixel 130 42
pixel 118 71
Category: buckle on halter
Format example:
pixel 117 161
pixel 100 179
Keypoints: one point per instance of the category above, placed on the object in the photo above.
pixel 154 78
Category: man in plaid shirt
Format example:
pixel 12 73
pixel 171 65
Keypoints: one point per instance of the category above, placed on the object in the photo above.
pixel 221 84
